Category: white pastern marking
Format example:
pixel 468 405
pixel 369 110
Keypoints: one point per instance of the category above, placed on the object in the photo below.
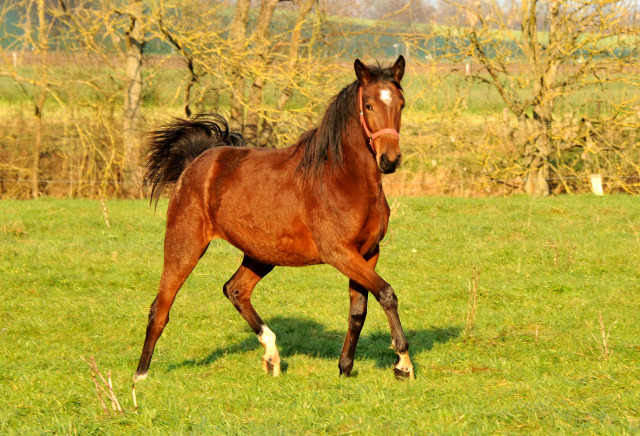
pixel 385 96
pixel 267 338
pixel 271 356
pixel 137 378
pixel 404 362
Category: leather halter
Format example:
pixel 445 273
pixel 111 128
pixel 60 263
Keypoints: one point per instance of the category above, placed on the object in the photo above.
pixel 370 135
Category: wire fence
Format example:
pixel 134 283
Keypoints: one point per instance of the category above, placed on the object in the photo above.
pixel 386 181
pixel 404 184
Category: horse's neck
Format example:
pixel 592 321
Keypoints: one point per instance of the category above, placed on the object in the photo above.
pixel 359 163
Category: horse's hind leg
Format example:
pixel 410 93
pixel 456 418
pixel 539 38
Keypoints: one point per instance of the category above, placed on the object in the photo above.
pixel 185 242
pixel 238 290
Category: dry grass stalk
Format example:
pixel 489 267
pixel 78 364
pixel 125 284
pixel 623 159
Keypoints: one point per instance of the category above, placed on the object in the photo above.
pixel 135 400
pixel 556 251
pixel 103 207
pixel 108 391
pixel 99 393
pixel 604 336
pixel 113 404
pixel 570 250
pixel 473 301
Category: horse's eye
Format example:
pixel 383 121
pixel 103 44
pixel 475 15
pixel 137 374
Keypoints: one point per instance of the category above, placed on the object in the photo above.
pixel 402 107
pixel 369 107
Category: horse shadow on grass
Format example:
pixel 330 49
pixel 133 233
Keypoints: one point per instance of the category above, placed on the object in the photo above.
pixel 308 337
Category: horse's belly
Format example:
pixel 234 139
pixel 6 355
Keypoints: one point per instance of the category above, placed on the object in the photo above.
pixel 274 244
pixel 281 253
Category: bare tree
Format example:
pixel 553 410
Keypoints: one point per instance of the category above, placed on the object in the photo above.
pixel 37 88
pixel 292 66
pixel 97 28
pixel 255 53
pixel 135 43
pixel 533 70
pixel 260 39
pixel 40 93
pixel 237 36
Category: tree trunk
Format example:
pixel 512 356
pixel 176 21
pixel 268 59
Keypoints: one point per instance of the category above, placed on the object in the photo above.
pixel 132 171
pixel 267 128
pixel 260 39
pixel 40 97
pixel 536 178
pixel 37 147
pixel 538 150
pixel 238 33
pixel 538 142
pixel 250 131
pixel 188 58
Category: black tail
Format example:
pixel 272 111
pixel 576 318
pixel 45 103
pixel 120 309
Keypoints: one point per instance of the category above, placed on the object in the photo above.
pixel 178 142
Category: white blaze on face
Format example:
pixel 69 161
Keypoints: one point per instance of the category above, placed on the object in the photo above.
pixel 385 96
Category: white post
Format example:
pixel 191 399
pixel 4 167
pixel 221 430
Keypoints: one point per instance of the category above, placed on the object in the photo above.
pixel 596 184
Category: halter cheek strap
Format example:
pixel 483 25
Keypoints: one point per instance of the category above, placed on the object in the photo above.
pixel 370 135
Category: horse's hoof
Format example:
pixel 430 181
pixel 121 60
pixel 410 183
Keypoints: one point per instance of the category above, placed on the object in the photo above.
pixel 139 377
pixel 402 375
pixel 346 370
pixel 271 367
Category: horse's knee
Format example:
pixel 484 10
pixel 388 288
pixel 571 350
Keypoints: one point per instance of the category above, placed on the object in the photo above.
pixel 226 289
pixel 388 299
pixel 234 294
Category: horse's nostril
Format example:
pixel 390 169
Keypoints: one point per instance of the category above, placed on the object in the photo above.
pixel 388 166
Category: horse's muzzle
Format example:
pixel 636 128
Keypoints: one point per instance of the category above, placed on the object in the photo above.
pixel 387 166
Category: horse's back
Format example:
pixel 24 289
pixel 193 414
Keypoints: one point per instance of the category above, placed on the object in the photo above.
pixel 251 198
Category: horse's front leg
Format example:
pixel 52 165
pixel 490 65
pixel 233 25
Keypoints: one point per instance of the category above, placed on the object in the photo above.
pixel 354 266
pixel 358 296
pixel 357 316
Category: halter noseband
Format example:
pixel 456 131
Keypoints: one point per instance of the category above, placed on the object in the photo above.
pixel 366 129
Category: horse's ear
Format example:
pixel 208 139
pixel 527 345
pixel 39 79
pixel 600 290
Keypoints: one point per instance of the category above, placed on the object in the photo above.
pixel 398 68
pixel 362 72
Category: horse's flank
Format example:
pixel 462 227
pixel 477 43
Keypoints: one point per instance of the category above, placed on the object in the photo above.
pixel 266 219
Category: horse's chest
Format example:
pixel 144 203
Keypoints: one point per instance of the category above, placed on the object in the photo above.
pixel 374 227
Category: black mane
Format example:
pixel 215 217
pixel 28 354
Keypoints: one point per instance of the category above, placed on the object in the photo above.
pixel 325 141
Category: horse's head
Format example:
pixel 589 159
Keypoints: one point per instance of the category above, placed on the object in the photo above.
pixel 380 105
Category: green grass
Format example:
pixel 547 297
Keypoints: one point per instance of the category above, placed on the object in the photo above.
pixel 71 287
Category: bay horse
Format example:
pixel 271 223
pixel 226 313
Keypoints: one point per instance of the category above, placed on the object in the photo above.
pixel 318 201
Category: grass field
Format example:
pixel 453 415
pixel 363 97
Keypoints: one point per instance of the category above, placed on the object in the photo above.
pixel 535 363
